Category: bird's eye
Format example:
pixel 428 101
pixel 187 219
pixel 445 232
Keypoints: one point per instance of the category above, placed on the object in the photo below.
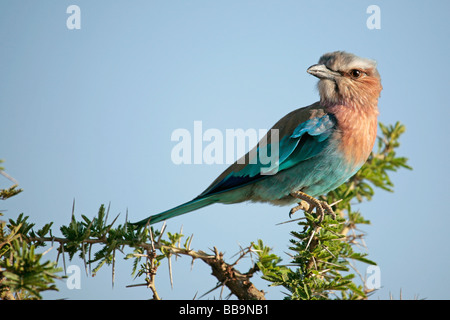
pixel 355 73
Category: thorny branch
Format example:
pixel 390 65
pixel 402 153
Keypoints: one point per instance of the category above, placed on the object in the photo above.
pixel 238 283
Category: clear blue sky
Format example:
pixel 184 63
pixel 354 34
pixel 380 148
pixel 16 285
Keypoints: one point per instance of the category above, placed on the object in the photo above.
pixel 88 114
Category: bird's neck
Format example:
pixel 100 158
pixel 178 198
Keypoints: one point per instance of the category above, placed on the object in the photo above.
pixel 357 130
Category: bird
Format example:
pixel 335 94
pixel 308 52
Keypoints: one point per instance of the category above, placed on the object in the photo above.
pixel 320 146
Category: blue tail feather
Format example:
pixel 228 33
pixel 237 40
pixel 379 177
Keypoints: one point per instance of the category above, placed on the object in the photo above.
pixel 192 205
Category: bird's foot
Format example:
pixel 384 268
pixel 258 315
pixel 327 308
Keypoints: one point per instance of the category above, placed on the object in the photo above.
pixel 308 203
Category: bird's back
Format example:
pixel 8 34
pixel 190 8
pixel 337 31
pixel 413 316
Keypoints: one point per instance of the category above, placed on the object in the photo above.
pixel 285 127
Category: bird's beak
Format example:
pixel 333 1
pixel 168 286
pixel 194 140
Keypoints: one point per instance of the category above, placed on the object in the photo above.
pixel 322 72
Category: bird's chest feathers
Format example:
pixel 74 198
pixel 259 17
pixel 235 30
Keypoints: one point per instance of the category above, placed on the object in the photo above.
pixel 357 130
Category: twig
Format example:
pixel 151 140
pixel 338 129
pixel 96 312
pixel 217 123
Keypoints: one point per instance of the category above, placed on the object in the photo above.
pixel 151 269
pixel 7 176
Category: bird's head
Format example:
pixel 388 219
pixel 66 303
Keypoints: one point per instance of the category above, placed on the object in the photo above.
pixel 347 79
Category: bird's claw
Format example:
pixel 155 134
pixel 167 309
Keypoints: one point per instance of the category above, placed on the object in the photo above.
pixel 302 205
pixel 326 208
pixel 308 203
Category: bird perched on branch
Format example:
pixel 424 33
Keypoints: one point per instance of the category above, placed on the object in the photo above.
pixel 319 146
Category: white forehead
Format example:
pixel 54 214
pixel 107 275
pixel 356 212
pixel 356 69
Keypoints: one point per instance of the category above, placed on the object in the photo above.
pixel 340 60
pixel 363 63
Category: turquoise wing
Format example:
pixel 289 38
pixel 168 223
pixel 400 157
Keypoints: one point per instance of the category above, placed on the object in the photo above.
pixel 305 141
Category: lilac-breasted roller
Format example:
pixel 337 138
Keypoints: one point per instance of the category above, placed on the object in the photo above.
pixel 320 146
